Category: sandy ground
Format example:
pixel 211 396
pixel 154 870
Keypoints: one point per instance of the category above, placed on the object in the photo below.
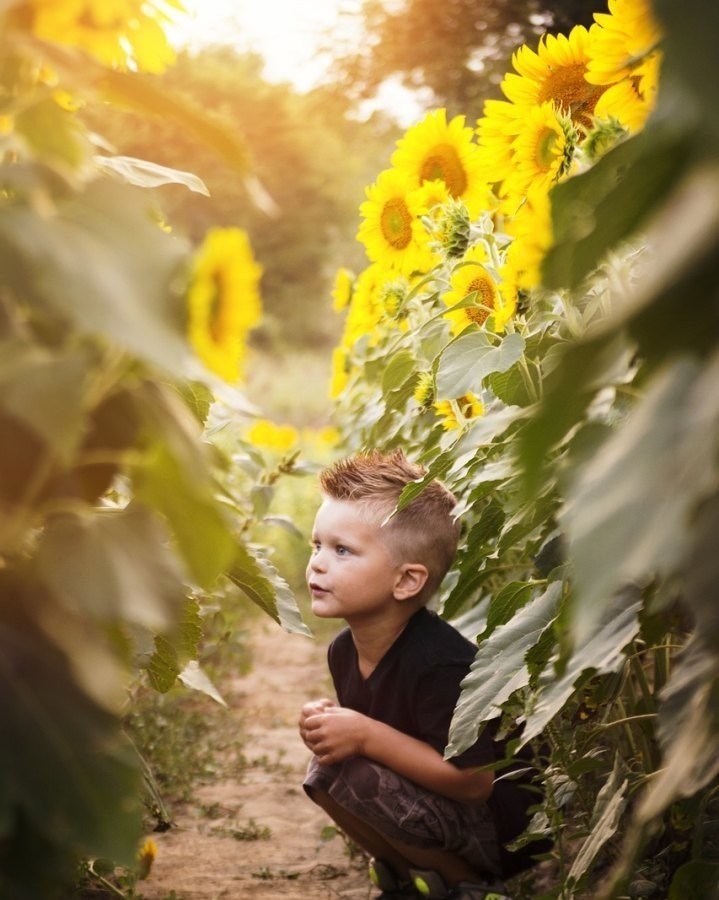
pixel 198 857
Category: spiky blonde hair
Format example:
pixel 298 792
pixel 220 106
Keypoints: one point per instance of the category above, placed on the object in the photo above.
pixel 424 531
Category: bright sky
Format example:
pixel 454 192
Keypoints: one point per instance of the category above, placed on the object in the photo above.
pixel 289 34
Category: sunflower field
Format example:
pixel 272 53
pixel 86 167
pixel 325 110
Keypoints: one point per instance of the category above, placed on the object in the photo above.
pixel 538 323
pixel 117 513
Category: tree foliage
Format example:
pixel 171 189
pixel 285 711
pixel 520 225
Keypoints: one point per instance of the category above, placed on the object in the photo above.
pixel 458 49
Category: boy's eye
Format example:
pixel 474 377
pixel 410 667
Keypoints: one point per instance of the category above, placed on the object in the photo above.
pixel 342 550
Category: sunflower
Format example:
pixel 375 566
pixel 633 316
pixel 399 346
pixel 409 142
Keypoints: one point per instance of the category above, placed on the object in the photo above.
pixel 125 34
pixel 365 310
pixel 555 74
pixel 271 436
pixel 542 152
pixel 531 228
pixel 621 40
pixel 457 413
pixel 435 150
pixel 342 289
pixel 473 276
pixel 497 130
pixel 340 371
pixel 392 231
pixel 223 300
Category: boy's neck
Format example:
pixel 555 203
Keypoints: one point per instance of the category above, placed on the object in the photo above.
pixel 374 638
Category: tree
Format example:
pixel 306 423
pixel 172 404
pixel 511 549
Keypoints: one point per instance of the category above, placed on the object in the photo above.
pixel 459 48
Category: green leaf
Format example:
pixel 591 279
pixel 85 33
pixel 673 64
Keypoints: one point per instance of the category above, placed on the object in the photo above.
pixel 397 370
pixel 608 808
pixel 112 565
pixel 120 265
pixel 146 174
pixel 471 358
pixel 195 677
pixel 628 511
pixel 502 608
pixel 593 211
pixel 499 670
pixel 53 133
pixel 260 581
pixel 688 730
pixel 511 386
pixel 47 393
pixel 65 762
pixel 695 880
pixel 600 653
pixel 174 650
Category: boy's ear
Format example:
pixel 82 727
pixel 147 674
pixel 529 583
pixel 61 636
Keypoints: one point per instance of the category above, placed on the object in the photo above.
pixel 412 578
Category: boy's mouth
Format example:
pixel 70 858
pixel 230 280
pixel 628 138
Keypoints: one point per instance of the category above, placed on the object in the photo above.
pixel 316 588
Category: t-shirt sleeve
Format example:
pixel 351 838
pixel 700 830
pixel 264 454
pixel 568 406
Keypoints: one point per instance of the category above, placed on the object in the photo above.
pixel 438 693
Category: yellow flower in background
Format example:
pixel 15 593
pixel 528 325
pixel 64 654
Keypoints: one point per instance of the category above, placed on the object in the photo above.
pixel 497 130
pixel 457 413
pixel 531 228
pixel 267 434
pixel 391 229
pixel 223 300
pixel 146 857
pixel 340 371
pixel 424 389
pixel 123 34
pixel 365 310
pixel 542 152
pixel 621 40
pixel 556 73
pixel 472 276
pixel 342 289
pixel 437 150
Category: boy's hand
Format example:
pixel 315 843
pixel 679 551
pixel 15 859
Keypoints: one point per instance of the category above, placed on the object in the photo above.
pixel 335 733
pixel 312 709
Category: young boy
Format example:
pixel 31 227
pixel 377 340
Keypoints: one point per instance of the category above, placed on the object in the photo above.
pixel 434 827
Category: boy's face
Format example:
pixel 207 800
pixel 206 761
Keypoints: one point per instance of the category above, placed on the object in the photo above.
pixel 351 574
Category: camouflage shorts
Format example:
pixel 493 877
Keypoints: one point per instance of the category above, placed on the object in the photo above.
pixel 401 809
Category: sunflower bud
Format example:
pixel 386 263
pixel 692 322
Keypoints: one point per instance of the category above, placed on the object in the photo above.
pixel 424 390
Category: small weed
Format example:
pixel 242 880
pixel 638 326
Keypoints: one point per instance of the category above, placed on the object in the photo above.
pixel 252 831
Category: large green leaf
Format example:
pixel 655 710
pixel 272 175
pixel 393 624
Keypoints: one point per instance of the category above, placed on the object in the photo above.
pixel 610 804
pixel 175 649
pixel 499 669
pixel 593 211
pixel 65 763
pixel 628 513
pixel 47 393
pixel 261 582
pixel 102 264
pixel 601 652
pixel 469 359
pixel 112 565
pixel 688 729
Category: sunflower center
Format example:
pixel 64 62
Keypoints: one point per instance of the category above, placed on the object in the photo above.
pixel 544 150
pixel 396 223
pixel 486 294
pixel 569 89
pixel 443 164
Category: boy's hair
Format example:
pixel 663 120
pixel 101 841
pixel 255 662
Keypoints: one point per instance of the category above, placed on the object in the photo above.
pixel 424 531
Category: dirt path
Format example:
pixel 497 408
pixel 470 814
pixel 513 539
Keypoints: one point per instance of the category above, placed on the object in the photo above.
pixel 219 846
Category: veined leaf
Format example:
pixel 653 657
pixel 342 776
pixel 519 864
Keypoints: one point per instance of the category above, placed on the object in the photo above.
pixel 610 804
pixel 64 761
pixel 147 174
pixel 174 650
pixel 499 669
pixel 195 677
pixel 601 652
pixel 261 582
pixel 502 608
pixel 469 359
pixel 112 565
pixel 397 370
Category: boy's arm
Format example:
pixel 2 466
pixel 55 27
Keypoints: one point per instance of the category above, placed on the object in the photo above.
pixel 336 733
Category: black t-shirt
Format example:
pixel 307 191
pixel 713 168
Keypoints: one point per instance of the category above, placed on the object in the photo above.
pixel 414 688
